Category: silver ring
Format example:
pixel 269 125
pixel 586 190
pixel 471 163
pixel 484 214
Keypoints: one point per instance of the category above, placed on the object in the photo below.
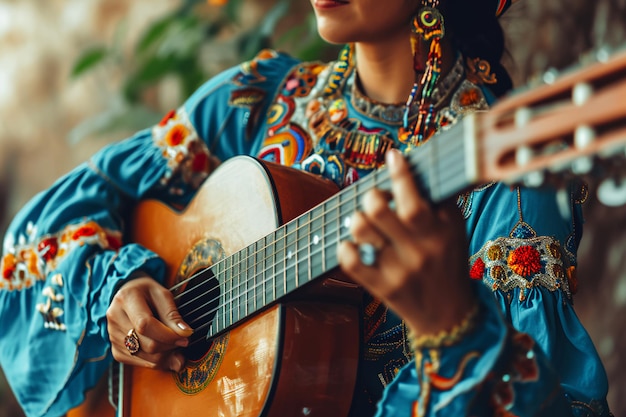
pixel 368 254
pixel 131 342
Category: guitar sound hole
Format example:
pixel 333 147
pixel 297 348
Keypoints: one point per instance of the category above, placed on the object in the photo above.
pixel 197 303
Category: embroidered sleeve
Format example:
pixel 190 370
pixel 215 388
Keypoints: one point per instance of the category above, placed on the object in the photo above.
pixel 67 251
pixel 493 371
pixel 527 258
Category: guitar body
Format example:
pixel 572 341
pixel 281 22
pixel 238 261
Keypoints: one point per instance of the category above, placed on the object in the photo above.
pixel 296 357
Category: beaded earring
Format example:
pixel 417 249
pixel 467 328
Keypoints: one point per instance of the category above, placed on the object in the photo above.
pixel 427 26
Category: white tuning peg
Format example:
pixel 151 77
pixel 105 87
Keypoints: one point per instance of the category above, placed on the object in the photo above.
pixel 523 155
pixel 583 137
pixel 581 93
pixel 534 179
pixel 612 193
pixel 522 117
pixel 550 76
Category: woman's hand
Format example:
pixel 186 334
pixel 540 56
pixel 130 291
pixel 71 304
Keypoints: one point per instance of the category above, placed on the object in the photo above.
pixel 147 307
pixel 420 268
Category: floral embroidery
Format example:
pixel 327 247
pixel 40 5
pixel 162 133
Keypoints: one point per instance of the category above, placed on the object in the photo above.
pixel 51 312
pixel 521 263
pixel 525 261
pixel 478 269
pixel 34 257
pixel 189 161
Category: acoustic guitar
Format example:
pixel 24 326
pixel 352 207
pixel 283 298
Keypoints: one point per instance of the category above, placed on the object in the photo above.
pixel 252 263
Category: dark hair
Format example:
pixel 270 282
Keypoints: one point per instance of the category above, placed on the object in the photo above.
pixel 476 32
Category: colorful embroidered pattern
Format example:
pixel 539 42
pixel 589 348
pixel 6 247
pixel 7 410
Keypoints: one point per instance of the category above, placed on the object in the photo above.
pixel 51 312
pixel 33 258
pixel 188 159
pixel 428 365
pixel 508 263
pixel 249 73
pixel 311 123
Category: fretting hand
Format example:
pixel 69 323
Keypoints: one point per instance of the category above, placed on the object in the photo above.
pixel 419 268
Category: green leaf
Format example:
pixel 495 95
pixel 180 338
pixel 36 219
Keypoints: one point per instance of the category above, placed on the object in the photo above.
pixel 154 33
pixel 88 60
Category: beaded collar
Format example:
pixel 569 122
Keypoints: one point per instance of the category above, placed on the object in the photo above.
pixel 392 113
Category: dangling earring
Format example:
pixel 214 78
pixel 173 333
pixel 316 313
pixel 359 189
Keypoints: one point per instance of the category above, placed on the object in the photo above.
pixel 428 26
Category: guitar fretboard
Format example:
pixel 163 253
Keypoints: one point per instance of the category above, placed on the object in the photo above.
pixel 305 248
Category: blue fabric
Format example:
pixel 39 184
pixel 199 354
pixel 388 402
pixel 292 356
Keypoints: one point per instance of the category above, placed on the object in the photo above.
pixel 474 395
pixel 66 253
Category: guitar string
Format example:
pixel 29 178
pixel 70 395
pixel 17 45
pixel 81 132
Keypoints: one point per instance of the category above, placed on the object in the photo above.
pixel 337 225
pixel 413 157
pixel 235 302
pixel 298 229
pixel 223 305
pixel 238 306
pixel 245 261
pixel 243 264
pixel 234 310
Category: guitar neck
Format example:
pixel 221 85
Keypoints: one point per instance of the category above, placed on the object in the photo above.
pixel 554 128
pixel 304 249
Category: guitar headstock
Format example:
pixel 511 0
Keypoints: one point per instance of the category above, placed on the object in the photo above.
pixel 572 125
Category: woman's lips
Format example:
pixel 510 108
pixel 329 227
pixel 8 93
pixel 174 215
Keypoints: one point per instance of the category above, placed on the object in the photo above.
pixel 329 4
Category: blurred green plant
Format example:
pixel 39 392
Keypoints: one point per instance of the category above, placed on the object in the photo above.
pixel 176 46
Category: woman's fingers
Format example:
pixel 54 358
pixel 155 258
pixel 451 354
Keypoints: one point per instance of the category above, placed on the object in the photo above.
pixel 132 315
pixel 411 207
pixel 170 360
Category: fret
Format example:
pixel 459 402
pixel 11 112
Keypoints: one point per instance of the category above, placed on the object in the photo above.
pixel 270 287
pixel 261 275
pixel 317 242
pixel 250 278
pixel 330 226
pixel 254 280
pixel 347 206
pixel 217 271
pixel 291 256
pixel 228 280
pixel 303 239
pixel 239 285
pixel 233 289
pixel 280 254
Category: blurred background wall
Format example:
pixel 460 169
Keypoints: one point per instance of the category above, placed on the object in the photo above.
pixel 134 60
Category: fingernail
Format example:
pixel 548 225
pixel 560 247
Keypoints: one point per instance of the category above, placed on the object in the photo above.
pixel 182 342
pixel 182 326
pixel 392 158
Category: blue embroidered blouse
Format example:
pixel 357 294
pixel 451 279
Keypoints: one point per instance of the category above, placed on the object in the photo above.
pixel 65 253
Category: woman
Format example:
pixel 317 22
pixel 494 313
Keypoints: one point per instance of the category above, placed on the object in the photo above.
pixel 75 292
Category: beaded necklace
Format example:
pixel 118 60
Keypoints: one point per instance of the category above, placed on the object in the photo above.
pixel 363 149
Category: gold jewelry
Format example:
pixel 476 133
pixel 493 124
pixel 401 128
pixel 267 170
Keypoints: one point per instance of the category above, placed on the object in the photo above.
pixel 131 342
pixel 446 338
